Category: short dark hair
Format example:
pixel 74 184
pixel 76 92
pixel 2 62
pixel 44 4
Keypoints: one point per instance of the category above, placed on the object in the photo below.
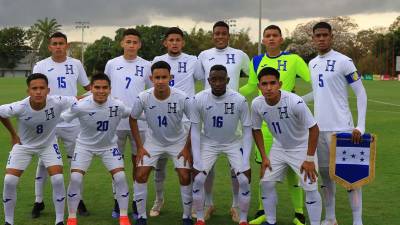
pixel 218 68
pixel 131 31
pixel 273 27
pixel 323 25
pixel 173 30
pixel 100 76
pixel 221 24
pixel 160 65
pixel 36 76
pixel 268 71
pixel 58 35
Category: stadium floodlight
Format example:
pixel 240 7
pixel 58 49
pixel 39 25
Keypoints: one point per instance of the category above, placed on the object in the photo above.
pixel 82 25
pixel 259 26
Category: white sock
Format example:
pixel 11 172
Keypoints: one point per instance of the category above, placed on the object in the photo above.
pixel 244 196
pixel 57 182
pixel 10 196
pixel 208 188
pixel 40 180
pixel 314 206
pixel 355 197
pixel 187 200
pixel 198 195
pixel 159 177
pixel 328 189
pixel 74 193
pixel 122 192
pixel 269 199
pixel 140 193
pixel 235 189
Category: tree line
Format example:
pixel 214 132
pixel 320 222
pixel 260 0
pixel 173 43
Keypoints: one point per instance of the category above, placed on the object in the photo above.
pixel 373 50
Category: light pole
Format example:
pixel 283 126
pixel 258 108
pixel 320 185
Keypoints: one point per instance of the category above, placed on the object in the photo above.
pixel 82 25
pixel 259 26
pixel 232 24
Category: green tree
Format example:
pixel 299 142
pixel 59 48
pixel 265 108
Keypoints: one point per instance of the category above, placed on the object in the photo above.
pixel 12 46
pixel 39 34
pixel 98 53
pixel 152 38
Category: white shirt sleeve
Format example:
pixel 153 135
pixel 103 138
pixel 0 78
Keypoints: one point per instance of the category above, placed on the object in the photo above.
pixel 137 108
pixel 247 145
pixel 199 71
pixel 303 113
pixel 82 78
pixel 245 114
pixel 195 139
pixel 194 111
pixel 256 119
pixel 36 69
pixel 71 113
pixel 107 69
pixel 361 95
pixel 9 110
pixel 67 101
pixel 126 111
pixel 245 63
pixel 186 106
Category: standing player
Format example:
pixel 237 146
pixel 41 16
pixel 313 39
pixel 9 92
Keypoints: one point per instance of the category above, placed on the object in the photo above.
pixel 235 61
pixel 129 74
pixel 295 135
pixel 37 117
pixel 63 74
pixel 164 109
pixel 218 110
pixel 289 66
pixel 99 116
pixel 331 74
pixel 183 78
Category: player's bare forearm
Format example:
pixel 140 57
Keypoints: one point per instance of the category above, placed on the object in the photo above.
pixel 135 132
pixel 14 136
pixel 258 139
pixel 313 133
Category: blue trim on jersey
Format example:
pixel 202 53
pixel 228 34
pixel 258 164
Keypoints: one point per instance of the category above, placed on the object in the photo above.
pixel 256 62
pixel 352 77
pixel 274 57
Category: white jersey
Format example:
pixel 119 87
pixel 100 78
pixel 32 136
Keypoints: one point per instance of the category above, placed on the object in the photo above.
pixel 330 76
pixel 63 78
pixel 234 60
pixel 98 122
pixel 288 120
pixel 220 116
pixel 183 71
pixel 164 117
pixel 37 129
pixel 128 79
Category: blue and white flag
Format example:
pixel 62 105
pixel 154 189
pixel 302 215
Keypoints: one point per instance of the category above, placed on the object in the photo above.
pixel 352 165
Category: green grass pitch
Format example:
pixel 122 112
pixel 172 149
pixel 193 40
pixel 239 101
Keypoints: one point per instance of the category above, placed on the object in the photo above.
pixel 380 199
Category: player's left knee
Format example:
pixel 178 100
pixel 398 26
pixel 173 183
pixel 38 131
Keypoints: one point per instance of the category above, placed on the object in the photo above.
pixel 57 179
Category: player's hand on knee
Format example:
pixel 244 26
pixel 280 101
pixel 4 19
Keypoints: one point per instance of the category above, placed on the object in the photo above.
pixel 309 171
pixel 265 164
pixel 141 152
pixel 356 136
pixel 187 156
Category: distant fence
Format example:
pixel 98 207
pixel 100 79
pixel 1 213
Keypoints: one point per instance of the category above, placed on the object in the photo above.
pixel 380 77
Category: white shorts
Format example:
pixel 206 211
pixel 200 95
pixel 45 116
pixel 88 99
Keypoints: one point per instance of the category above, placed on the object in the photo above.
pixel 171 151
pixel 209 155
pixel 323 147
pixel 123 135
pixel 68 136
pixel 112 158
pixel 20 156
pixel 281 160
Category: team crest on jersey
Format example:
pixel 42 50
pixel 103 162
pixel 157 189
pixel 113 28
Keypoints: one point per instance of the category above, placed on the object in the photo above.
pixel 283 112
pixel 230 59
pixel 113 111
pixel 49 113
pixel 229 108
pixel 172 107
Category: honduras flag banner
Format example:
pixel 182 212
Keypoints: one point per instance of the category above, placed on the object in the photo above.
pixel 352 165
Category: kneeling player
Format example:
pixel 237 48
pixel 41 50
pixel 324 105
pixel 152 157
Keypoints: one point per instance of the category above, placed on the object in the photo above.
pixel 294 130
pixel 99 116
pixel 37 116
pixel 219 110
pixel 164 108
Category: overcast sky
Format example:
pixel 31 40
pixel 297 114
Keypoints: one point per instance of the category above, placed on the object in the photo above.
pixel 105 15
